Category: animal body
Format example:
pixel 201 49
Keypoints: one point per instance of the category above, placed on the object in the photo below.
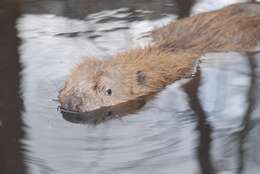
pixel 138 72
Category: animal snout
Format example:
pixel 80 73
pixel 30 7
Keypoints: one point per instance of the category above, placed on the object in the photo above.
pixel 71 103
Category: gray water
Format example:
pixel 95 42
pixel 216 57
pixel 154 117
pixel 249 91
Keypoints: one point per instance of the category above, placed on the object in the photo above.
pixel 207 124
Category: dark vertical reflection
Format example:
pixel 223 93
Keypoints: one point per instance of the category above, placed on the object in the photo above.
pixel 184 7
pixel 203 127
pixel 10 101
pixel 251 105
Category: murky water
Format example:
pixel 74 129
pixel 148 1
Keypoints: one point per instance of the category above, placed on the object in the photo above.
pixel 208 124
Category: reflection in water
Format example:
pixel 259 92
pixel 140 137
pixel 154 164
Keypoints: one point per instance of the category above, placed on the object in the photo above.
pixel 11 104
pixel 202 126
pixel 79 9
pixel 210 5
pixel 160 137
pixel 248 114
pixel 184 7
pixel 106 113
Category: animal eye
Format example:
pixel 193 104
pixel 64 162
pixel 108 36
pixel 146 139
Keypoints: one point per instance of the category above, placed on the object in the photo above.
pixel 109 92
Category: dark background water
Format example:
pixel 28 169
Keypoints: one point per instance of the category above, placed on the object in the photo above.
pixel 209 125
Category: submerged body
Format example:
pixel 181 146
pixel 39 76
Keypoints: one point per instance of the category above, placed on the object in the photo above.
pixel 137 72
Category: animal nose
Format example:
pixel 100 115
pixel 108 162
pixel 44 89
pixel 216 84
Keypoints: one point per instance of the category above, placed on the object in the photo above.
pixel 71 103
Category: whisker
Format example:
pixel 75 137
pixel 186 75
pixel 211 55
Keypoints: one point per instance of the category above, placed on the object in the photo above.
pixel 55 100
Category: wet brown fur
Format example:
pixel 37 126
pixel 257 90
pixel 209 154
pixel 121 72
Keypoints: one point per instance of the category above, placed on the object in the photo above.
pixel 236 28
pixel 175 48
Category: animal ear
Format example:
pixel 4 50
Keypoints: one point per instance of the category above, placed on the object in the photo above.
pixel 140 77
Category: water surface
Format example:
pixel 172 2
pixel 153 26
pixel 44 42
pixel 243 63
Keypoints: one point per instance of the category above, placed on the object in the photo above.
pixel 208 124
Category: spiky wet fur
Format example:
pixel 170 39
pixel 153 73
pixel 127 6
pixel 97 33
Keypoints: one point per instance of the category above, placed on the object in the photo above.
pixel 234 28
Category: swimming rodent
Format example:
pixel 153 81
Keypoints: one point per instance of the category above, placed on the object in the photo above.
pixel 138 72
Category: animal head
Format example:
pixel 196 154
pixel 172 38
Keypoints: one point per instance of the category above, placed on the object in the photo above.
pixel 98 83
